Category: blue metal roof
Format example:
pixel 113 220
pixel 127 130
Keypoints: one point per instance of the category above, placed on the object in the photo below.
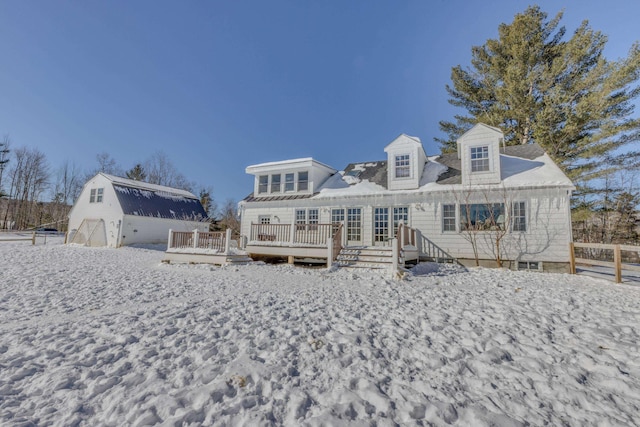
pixel 158 204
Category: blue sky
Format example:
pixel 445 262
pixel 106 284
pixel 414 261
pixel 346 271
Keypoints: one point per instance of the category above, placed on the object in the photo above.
pixel 218 86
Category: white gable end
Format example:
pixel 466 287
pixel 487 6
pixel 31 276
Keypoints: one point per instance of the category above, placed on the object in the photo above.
pixel 479 153
pixel 405 162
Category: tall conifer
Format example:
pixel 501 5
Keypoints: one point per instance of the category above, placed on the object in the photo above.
pixel 563 94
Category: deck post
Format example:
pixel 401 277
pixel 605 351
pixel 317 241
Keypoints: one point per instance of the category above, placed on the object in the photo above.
pixel 617 259
pixel 195 238
pixel 227 241
pixel 169 240
pixel 329 252
pixel 343 235
pixel 419 242
pixel 292 233
pixel 395 254
pixel 572 258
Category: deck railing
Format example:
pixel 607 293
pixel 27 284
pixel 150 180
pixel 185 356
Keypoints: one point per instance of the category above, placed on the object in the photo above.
pixel 337 241
pixel 292 234
pixel 433 252
pixel 405 236
pixel 217 240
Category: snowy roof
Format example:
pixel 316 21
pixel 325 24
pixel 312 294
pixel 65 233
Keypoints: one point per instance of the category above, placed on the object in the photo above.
pixel 158 201
pixel 158 204
pixel 521 166
pixel 147 186
pixel 453 175
pixel 287 164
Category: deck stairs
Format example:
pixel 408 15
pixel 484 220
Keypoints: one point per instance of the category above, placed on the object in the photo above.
pixel 440 259
pixel 371 257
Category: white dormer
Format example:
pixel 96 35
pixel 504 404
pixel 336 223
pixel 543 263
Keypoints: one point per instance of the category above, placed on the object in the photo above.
pixel 405 161
pixel 479 154
pixel 288 177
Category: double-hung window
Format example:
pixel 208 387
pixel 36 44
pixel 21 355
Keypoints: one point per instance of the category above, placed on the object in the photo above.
pixel 275 183
pixel 448 217
pixel 480 159
pixel 303 181
pixel 289 184
pixel 403 166
pixel 263 184
pixel 518 216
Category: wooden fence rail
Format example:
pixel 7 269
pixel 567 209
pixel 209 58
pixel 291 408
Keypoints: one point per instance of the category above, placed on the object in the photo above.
pixel 617 263
pixel 17 238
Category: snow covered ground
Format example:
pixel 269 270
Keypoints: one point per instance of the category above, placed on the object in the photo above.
pixel 93 336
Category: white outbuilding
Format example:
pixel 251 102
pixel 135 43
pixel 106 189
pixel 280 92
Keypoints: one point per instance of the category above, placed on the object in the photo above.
pixel 113 211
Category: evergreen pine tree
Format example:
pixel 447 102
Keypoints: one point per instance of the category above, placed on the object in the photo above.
pixel 562 94
pixel 137 173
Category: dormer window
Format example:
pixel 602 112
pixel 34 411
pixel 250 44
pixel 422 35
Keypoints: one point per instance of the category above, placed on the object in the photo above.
pixel 283 179
pixel 263 184
pixel 403 166
pixel 289 184
pixel 303 181
pixel 275 183
pixel 480 159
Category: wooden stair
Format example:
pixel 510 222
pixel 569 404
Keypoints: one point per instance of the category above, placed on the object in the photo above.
pixel 372 257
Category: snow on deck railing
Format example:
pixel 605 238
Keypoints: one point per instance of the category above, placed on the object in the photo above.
pixel 218 240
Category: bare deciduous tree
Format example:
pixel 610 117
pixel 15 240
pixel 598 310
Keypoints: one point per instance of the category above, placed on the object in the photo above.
pixel 161 171
pixel 229 216
pixel 29 177
pixel 4 159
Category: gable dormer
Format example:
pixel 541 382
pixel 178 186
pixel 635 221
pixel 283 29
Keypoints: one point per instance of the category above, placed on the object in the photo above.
pixel 405 161
pixel 288 177
pixel 479 154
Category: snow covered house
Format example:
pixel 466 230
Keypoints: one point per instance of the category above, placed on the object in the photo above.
pixel 113 211
pixel 500 205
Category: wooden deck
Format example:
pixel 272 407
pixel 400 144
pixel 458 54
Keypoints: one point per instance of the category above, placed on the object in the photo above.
pixel 197 247
pixel 322 241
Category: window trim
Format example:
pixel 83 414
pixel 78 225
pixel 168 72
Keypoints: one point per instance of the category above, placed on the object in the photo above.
pixel 300 182
pixel 264 219
pixel 261 184
pixel 463 214
pixel 96 195
pixel 474 159
pixel 399 161
pixel 519 226
pixel 289 182
pixel 449 217
pixel 276 182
